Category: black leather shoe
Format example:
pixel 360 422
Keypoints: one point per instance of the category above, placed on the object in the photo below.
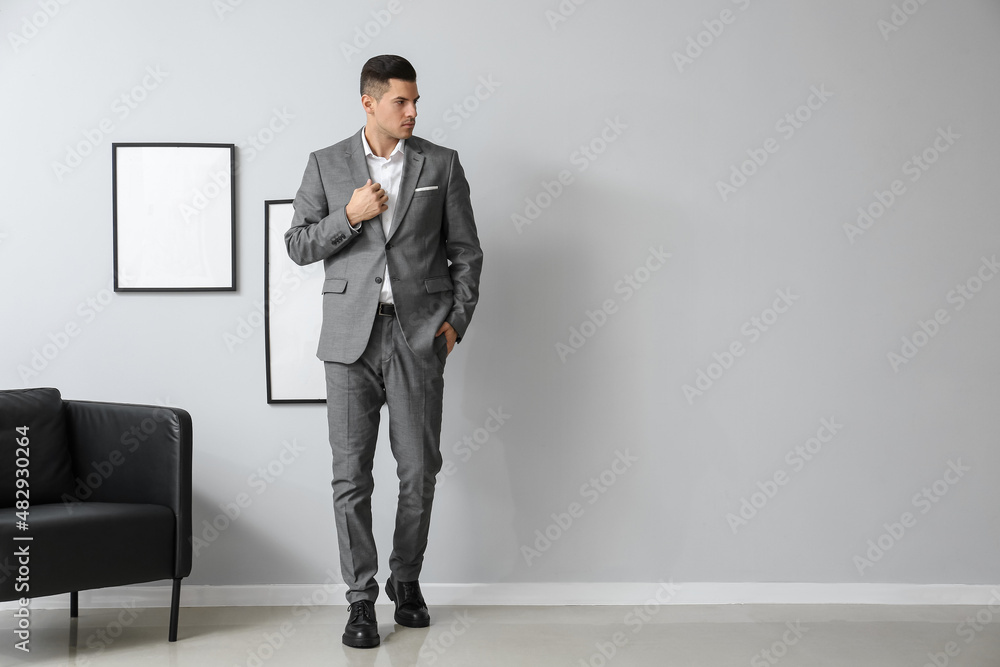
pixel 411 610
pixel 362 628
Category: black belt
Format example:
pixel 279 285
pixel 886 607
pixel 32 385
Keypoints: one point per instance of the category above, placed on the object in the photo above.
pixel 386 309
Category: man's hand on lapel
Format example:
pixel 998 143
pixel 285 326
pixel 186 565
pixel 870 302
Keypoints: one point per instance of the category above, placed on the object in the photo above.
pixel 367 201
pixel 450 335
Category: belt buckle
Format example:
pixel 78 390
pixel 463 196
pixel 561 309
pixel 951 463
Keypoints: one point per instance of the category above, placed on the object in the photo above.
pixel 386 309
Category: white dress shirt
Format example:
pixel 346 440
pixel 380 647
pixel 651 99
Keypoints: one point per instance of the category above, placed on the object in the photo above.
pixel 387 172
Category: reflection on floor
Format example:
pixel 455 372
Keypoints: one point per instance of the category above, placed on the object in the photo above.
pixel 669 635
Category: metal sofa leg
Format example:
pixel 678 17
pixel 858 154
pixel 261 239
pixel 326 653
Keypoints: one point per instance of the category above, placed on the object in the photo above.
pixel 74 604
pixel 175 604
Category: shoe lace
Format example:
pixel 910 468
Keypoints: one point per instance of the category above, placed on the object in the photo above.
pixel 410 592
pixel 358 609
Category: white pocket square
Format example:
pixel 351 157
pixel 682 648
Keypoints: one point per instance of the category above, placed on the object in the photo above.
pixel 426 188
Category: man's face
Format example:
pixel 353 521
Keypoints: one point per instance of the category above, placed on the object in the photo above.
pixel 396 113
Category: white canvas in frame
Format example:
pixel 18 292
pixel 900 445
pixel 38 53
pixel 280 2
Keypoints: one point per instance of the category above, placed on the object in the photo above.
pixel 174 217
pixel 294 316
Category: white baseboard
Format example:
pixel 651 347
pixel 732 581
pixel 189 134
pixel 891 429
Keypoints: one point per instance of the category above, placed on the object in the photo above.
pixel 552 594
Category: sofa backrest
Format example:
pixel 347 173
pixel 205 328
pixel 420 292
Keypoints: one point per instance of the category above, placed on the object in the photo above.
pixel 33 432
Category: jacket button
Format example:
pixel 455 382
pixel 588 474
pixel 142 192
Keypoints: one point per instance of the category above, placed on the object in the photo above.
pixel 378 280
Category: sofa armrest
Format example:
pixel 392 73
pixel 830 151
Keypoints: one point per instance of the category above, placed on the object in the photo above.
pixel 125 453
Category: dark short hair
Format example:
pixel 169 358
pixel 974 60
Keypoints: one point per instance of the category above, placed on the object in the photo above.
pixel 377 71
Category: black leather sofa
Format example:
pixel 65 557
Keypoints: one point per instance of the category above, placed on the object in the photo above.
pixel 105 501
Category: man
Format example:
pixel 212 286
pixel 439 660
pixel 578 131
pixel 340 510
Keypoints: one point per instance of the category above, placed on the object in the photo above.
pixel 391 217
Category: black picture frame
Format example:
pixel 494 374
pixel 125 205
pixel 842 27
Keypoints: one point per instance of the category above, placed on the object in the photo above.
pixel 174 217
pixel 293 315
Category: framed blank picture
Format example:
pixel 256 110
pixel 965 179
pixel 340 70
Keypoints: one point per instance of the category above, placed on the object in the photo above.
pixel 293 315
pixel 174 217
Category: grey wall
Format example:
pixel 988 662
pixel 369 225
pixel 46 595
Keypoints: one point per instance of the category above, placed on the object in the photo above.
pixel 676 466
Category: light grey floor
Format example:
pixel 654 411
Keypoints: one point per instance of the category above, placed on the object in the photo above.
pixel 703 636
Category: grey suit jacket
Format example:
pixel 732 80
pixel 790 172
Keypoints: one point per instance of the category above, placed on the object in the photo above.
pixel 432 248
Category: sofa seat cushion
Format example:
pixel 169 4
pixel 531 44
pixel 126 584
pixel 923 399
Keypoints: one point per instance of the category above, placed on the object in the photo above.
pixel 39 415
pixel 80 546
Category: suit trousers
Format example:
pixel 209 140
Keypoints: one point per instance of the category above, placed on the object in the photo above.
pixel 412 386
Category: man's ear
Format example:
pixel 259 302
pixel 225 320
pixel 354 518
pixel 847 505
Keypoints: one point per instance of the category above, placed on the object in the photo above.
pixel 368 103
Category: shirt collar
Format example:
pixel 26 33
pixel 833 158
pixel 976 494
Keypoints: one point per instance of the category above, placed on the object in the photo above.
pixel 368 149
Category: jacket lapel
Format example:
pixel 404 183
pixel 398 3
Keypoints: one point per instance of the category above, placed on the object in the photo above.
pixel 411 172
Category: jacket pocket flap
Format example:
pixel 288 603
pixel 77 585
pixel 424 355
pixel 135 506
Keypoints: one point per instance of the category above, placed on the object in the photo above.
pixel 438 284
pixel 335 285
